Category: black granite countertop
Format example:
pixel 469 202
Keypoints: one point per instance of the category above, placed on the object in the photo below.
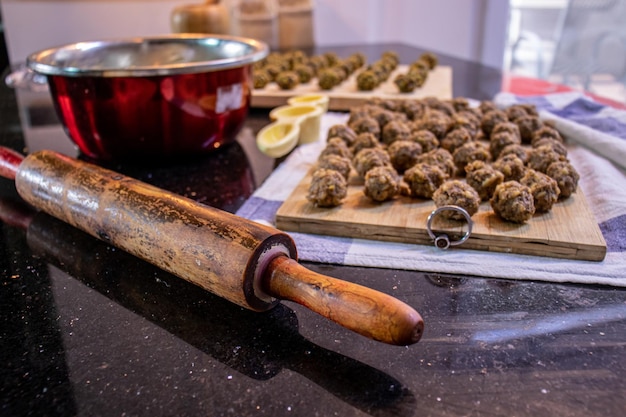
pixel 89 330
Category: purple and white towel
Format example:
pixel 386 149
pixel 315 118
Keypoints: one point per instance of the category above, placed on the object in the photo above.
pixel 597 148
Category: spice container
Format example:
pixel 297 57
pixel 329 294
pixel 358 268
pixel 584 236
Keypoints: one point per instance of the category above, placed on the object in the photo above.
pixel 212 16
pixel 295 24
pixel 257 19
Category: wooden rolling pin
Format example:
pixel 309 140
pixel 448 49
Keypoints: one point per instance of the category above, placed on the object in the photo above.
pixel 244 262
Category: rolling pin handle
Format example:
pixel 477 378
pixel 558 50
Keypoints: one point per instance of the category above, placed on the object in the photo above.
pixel 10 161
pixel 363 310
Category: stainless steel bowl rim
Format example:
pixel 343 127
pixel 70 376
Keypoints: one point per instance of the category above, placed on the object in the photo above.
pixel 162 56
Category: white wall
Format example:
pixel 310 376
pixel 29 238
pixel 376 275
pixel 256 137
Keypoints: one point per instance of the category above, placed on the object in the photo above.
pixel 469 29
pixel 31 25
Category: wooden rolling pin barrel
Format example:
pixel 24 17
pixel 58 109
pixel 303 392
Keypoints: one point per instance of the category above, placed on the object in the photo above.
pixel 244 262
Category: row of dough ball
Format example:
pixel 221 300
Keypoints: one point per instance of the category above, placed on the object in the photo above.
pixel 450 152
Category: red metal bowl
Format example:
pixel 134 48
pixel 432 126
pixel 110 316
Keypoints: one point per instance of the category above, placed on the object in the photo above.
pixel 155 97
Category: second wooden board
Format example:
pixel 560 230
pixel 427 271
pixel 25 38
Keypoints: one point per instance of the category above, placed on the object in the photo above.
pixel 568 231
pixel 345 96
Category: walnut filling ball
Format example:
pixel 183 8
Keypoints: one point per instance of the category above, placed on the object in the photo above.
pixel 511 166
pixel 544 189
pixel 369 158
pixel 381 183
pixel 338 163
pixel 528 125
pixel 336 146
pixel 508 127
pixel 344 132
pixel 441 158
pixel 500 140
pixel 513 201
pixel 363 141
pixel 456 138
pixel 366 125
pixel 471 151
pixel 328 188
pixel 427 139
pixel 566 177
pixel 423 179
pixel 540 158
pixel 395 130
pixel 491 119
pixel 404 154
pixel 456 193
pixel 483 178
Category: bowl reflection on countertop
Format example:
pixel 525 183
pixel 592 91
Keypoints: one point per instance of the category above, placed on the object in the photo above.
pixel 158 97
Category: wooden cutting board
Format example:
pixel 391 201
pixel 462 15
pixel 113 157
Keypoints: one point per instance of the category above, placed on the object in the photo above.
pixel 568 231
pixel 346 95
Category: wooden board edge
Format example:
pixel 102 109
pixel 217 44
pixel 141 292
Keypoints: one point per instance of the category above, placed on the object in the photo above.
pixel 480 242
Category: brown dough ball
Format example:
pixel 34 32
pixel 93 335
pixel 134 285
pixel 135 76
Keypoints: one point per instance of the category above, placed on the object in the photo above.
pixel 540 158
pixel 501 140
pixel 516 149
pixel 366 124
pixel 508 127
pixel 414 109
pixel 427 139
pixel 424 179
pixel 344 132
pixel 261 78
pixel 364 140
pixel 528 125
pixel 369 158
pixel 383 116
pixel 328 188
pixel 393 131
pixel 556 146
pixel 440 157
pixel 491 119
pixel 430 59
pixel 467 120
pixel 469 152
pixel 513 201
pixel 304 72
pixel 566 177
pixel 516 111
pixel 287 80
pixel 328 78
pixel 406 83
pixel 404 154
pixel 338 163
pixel 460 104
pixel 546 131
pixel 486 106
pixel 511 166
pixel 435 121
pixel 483 178
pixel 336 146
pixel 456 193
pixel 439 106
pixel 544 189
pixel 455 139
pixel 367 81
pixel 381 183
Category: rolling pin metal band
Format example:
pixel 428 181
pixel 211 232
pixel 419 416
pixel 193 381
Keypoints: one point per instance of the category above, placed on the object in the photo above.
pixel 216 250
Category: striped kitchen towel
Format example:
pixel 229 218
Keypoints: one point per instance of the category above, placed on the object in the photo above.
pixel 597 148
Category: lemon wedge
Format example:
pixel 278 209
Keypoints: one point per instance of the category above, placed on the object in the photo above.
pixel 278 139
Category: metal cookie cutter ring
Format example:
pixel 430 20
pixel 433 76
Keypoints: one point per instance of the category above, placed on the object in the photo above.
pixel 443 241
